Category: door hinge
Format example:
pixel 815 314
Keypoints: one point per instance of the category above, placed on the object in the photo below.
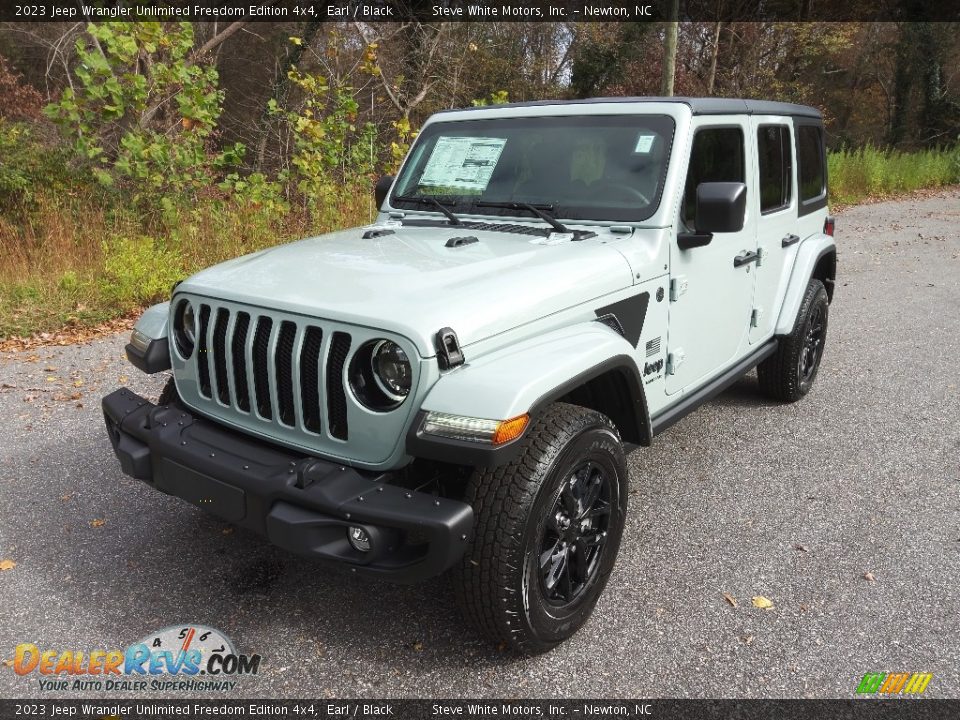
pixel 675 360
pixel 678 286
pixel 761 254
pixel 755 316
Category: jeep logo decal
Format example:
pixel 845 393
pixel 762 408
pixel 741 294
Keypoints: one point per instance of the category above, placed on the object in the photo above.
pixel 652 367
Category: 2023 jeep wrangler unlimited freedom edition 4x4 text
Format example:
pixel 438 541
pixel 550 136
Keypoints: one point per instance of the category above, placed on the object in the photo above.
pixel 453 386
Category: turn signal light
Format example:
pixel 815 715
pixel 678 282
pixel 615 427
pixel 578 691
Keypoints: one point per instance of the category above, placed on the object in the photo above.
pixel 828 225
pixel 510 429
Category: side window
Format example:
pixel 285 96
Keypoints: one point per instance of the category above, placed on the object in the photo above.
pixel 773 151
pixel 810 158
pixel 717 156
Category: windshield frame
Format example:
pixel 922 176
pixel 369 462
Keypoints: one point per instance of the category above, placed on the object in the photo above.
pixel 664 125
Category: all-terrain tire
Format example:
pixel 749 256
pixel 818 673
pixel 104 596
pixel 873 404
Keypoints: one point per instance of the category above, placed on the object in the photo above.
pixel 790 372
pixel 571 459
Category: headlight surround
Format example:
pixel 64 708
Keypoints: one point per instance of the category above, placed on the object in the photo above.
pixel 391 369
pixel 185 328
pixel 380 375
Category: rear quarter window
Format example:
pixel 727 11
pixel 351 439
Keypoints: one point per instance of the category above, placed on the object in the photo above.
pixel 810 155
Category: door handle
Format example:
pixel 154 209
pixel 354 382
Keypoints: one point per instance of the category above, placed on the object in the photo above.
pixel 745 259
pixel 789 240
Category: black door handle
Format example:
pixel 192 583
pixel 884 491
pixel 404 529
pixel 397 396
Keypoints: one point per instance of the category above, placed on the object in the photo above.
pixel 789 240
pixel 745 259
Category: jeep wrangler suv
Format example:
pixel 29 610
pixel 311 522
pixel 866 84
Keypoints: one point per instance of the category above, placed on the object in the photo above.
pixel 454 387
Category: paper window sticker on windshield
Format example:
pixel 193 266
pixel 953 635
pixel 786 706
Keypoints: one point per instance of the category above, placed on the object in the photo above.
pixel 644 143
pixel 463 163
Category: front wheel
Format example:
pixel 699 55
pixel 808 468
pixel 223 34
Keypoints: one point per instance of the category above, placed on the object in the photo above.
pixel 548 527
pixel 789 373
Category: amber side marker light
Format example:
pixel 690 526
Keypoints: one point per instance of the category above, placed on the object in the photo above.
pixel 510 429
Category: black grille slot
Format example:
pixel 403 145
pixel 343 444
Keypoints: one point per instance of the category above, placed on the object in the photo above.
pixel 283 361
pixel 310 378
pixel 203 359
pixel 239 349
pixel 220 355
pixel 336 395
pixel 261 380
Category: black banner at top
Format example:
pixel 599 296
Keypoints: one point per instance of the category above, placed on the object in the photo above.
pixel 375 11
pixel 564 709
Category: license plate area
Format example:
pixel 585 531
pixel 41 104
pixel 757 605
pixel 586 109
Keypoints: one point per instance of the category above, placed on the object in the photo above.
pixel 205 492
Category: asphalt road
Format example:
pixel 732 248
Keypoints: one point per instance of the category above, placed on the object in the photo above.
pixel 862 476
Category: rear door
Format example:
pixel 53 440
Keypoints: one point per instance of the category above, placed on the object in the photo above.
pixel 711 297
pixel 775 206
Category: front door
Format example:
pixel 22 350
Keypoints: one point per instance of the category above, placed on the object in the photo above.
pixel 711 294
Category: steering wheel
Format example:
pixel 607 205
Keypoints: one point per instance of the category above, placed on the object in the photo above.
pixel 624 190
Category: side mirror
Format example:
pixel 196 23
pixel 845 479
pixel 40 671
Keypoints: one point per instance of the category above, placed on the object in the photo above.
pixel 721 207
pixel 381 189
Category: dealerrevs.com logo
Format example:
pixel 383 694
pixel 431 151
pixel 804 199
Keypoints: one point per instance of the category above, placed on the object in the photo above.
pixel 898 683
pixel 179 658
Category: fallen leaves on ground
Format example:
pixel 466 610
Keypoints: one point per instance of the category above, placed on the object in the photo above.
pixel 418 646
pixel 869 577
pixel 759 601
pixel 730 599
pixel 801 548
pixel 8 663
pixel 7 564
pixel 97 523
pixel 68 336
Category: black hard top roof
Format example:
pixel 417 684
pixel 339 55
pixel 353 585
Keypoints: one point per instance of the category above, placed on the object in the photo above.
pixel 698 106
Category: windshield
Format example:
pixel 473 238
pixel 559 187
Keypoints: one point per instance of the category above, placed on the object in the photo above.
pixel 596 167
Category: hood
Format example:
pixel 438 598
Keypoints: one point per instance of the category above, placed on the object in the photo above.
pixel 410 283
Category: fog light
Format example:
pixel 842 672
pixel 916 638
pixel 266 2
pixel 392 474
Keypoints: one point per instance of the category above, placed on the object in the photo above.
pixel 359 538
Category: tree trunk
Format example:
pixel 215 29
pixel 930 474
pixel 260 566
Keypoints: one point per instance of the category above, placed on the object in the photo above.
pixel 902 84
pixel 714 52
pixel 670 51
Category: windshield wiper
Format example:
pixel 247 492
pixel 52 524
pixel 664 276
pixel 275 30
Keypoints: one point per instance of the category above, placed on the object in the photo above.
pixel 539 210
pixel 428 200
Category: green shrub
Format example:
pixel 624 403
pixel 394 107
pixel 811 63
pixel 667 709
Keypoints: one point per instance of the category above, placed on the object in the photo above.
pixel 872 172
pixel 138 272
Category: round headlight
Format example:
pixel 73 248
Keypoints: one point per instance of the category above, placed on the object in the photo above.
pixel 185 328
pixel 380 375
pixel 391 368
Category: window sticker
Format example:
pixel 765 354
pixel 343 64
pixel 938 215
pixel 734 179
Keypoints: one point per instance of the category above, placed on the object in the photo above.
pixel 644 143
pixel 462 162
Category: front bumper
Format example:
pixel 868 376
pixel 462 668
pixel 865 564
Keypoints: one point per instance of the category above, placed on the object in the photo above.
pixel 301 504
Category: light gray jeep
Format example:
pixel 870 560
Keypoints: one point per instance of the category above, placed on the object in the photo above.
pixel 547 286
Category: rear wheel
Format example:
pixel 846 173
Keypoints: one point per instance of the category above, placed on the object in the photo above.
pixel 790 372
pixel 548 527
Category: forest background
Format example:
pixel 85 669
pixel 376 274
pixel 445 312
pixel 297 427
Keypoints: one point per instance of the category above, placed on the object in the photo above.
pixel 133 154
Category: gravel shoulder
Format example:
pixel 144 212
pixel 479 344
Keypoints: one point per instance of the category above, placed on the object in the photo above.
pixel 744 497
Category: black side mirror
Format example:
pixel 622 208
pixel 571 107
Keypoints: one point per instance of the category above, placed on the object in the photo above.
pixel 381 189
pixel 721 207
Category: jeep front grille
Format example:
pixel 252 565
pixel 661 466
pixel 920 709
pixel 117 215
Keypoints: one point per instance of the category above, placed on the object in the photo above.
pixel 281 361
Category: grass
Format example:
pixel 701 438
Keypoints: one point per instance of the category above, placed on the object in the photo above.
pixel 858 175
pixel 73 261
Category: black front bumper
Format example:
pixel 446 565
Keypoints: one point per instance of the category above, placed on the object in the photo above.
pixel 301 504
